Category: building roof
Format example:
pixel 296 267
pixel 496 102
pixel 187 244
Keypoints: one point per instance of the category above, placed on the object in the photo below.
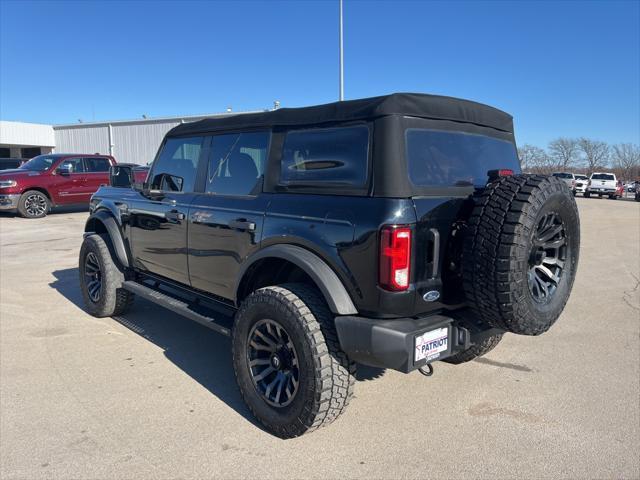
pixel 408 104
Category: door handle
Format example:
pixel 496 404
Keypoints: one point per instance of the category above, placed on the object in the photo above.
pixel 242 224
pixel 174 216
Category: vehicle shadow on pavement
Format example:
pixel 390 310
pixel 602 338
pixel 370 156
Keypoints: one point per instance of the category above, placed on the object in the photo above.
pixel 199 352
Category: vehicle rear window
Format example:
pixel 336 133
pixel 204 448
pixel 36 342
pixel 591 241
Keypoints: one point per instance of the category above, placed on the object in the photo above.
pixel 327 156
pixel 602 176
pixel 450 158
pixel 96 164
pixel 236 162
pixel 563 175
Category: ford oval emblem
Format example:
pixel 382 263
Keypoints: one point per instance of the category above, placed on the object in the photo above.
pixel 431 296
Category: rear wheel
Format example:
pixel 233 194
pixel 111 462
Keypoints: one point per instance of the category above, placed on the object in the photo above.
pixel 101 279
pixel 521 252
pixel 287 359
pixel 587 194
pixel 477 350
pixel 33 204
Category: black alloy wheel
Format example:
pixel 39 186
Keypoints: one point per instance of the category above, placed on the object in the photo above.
pixel 273 363
pixel 93 276
pixel 547 257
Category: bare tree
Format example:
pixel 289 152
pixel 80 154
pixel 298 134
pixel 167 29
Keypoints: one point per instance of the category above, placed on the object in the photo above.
pixel 564 152
pixel 534 159
pixel 596 154
pixel 626 160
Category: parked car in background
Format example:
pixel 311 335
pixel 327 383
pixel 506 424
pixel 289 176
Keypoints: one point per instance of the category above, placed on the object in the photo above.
pixel 630 187
pixel 8 163
pixel 567 178
pixel 56 179
pixel 581 183
pixel 602 183
pixel 637 192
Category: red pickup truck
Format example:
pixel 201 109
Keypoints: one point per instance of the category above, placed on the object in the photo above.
pixel 55 179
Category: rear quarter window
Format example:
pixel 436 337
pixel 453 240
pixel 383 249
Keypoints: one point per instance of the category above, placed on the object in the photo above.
pixel 438 158
pixel 326 157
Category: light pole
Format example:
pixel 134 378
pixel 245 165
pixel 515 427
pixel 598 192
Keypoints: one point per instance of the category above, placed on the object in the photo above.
pixel 341 58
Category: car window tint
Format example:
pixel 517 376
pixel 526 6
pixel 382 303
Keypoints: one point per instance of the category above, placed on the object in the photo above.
pixel 334 156
pixel 449 158
pixel 175 168
pixel 96 164
pixel 236 162
pixel 563 175
pixel 75 164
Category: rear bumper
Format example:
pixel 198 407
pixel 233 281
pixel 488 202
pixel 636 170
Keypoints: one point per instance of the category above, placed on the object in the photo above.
pixel 392 343
pixel 601 190
pixel 9 201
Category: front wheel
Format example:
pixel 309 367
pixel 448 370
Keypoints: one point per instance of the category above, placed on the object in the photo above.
pixel 587 194
pixel 33 204
pixel 101 279
pixel 287 360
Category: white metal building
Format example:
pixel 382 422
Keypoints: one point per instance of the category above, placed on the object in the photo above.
pixel 129 141
pixel 25 140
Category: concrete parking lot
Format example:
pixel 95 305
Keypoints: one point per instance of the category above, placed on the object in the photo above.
pixel 152 395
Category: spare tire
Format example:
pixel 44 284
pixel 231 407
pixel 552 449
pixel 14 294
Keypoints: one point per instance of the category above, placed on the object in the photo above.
pixel 520 252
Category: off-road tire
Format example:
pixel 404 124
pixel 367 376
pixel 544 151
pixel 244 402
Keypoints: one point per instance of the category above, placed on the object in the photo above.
pixel 113 299
pixel 587 194
pixel 498 247
pixel 477 350
pixel 25 212
pixel 327 376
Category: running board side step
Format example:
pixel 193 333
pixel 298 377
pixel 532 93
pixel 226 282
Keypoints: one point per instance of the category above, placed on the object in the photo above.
pixel 175 305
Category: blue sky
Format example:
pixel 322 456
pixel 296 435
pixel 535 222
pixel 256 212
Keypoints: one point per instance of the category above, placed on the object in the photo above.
pixel 561 68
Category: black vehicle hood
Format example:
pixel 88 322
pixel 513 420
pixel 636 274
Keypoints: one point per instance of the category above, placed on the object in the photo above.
pixel 406 104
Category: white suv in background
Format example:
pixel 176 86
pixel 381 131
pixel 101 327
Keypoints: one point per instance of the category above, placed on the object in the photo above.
pixel 581 183
pixel 567 178
pixel 602 183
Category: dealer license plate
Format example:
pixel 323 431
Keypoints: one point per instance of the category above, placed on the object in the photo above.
pixel 431 344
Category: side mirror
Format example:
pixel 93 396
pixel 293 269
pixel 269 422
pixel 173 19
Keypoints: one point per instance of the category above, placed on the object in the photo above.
pixel 64 169
pixel 121 176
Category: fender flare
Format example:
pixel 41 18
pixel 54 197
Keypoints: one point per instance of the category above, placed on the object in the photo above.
pixel 111 225
pixel 325 278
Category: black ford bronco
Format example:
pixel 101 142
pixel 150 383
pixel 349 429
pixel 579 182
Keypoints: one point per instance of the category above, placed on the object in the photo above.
pixel 391 231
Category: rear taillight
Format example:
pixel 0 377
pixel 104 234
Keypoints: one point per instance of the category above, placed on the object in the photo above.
pixel 503 172
pixel 395 257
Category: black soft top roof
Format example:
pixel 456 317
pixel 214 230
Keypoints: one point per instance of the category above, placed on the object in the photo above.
pixel 407 104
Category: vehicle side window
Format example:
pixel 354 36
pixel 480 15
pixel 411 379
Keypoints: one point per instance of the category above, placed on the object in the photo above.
pixel 237 162
pixel 96 164
pixel 75 164
pixel 328 155
pixel 175 168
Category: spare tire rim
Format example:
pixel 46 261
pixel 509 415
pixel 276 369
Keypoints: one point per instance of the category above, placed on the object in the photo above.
pixel 273 363
pixel 547 257
pixel 92 276
pixel 35 205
